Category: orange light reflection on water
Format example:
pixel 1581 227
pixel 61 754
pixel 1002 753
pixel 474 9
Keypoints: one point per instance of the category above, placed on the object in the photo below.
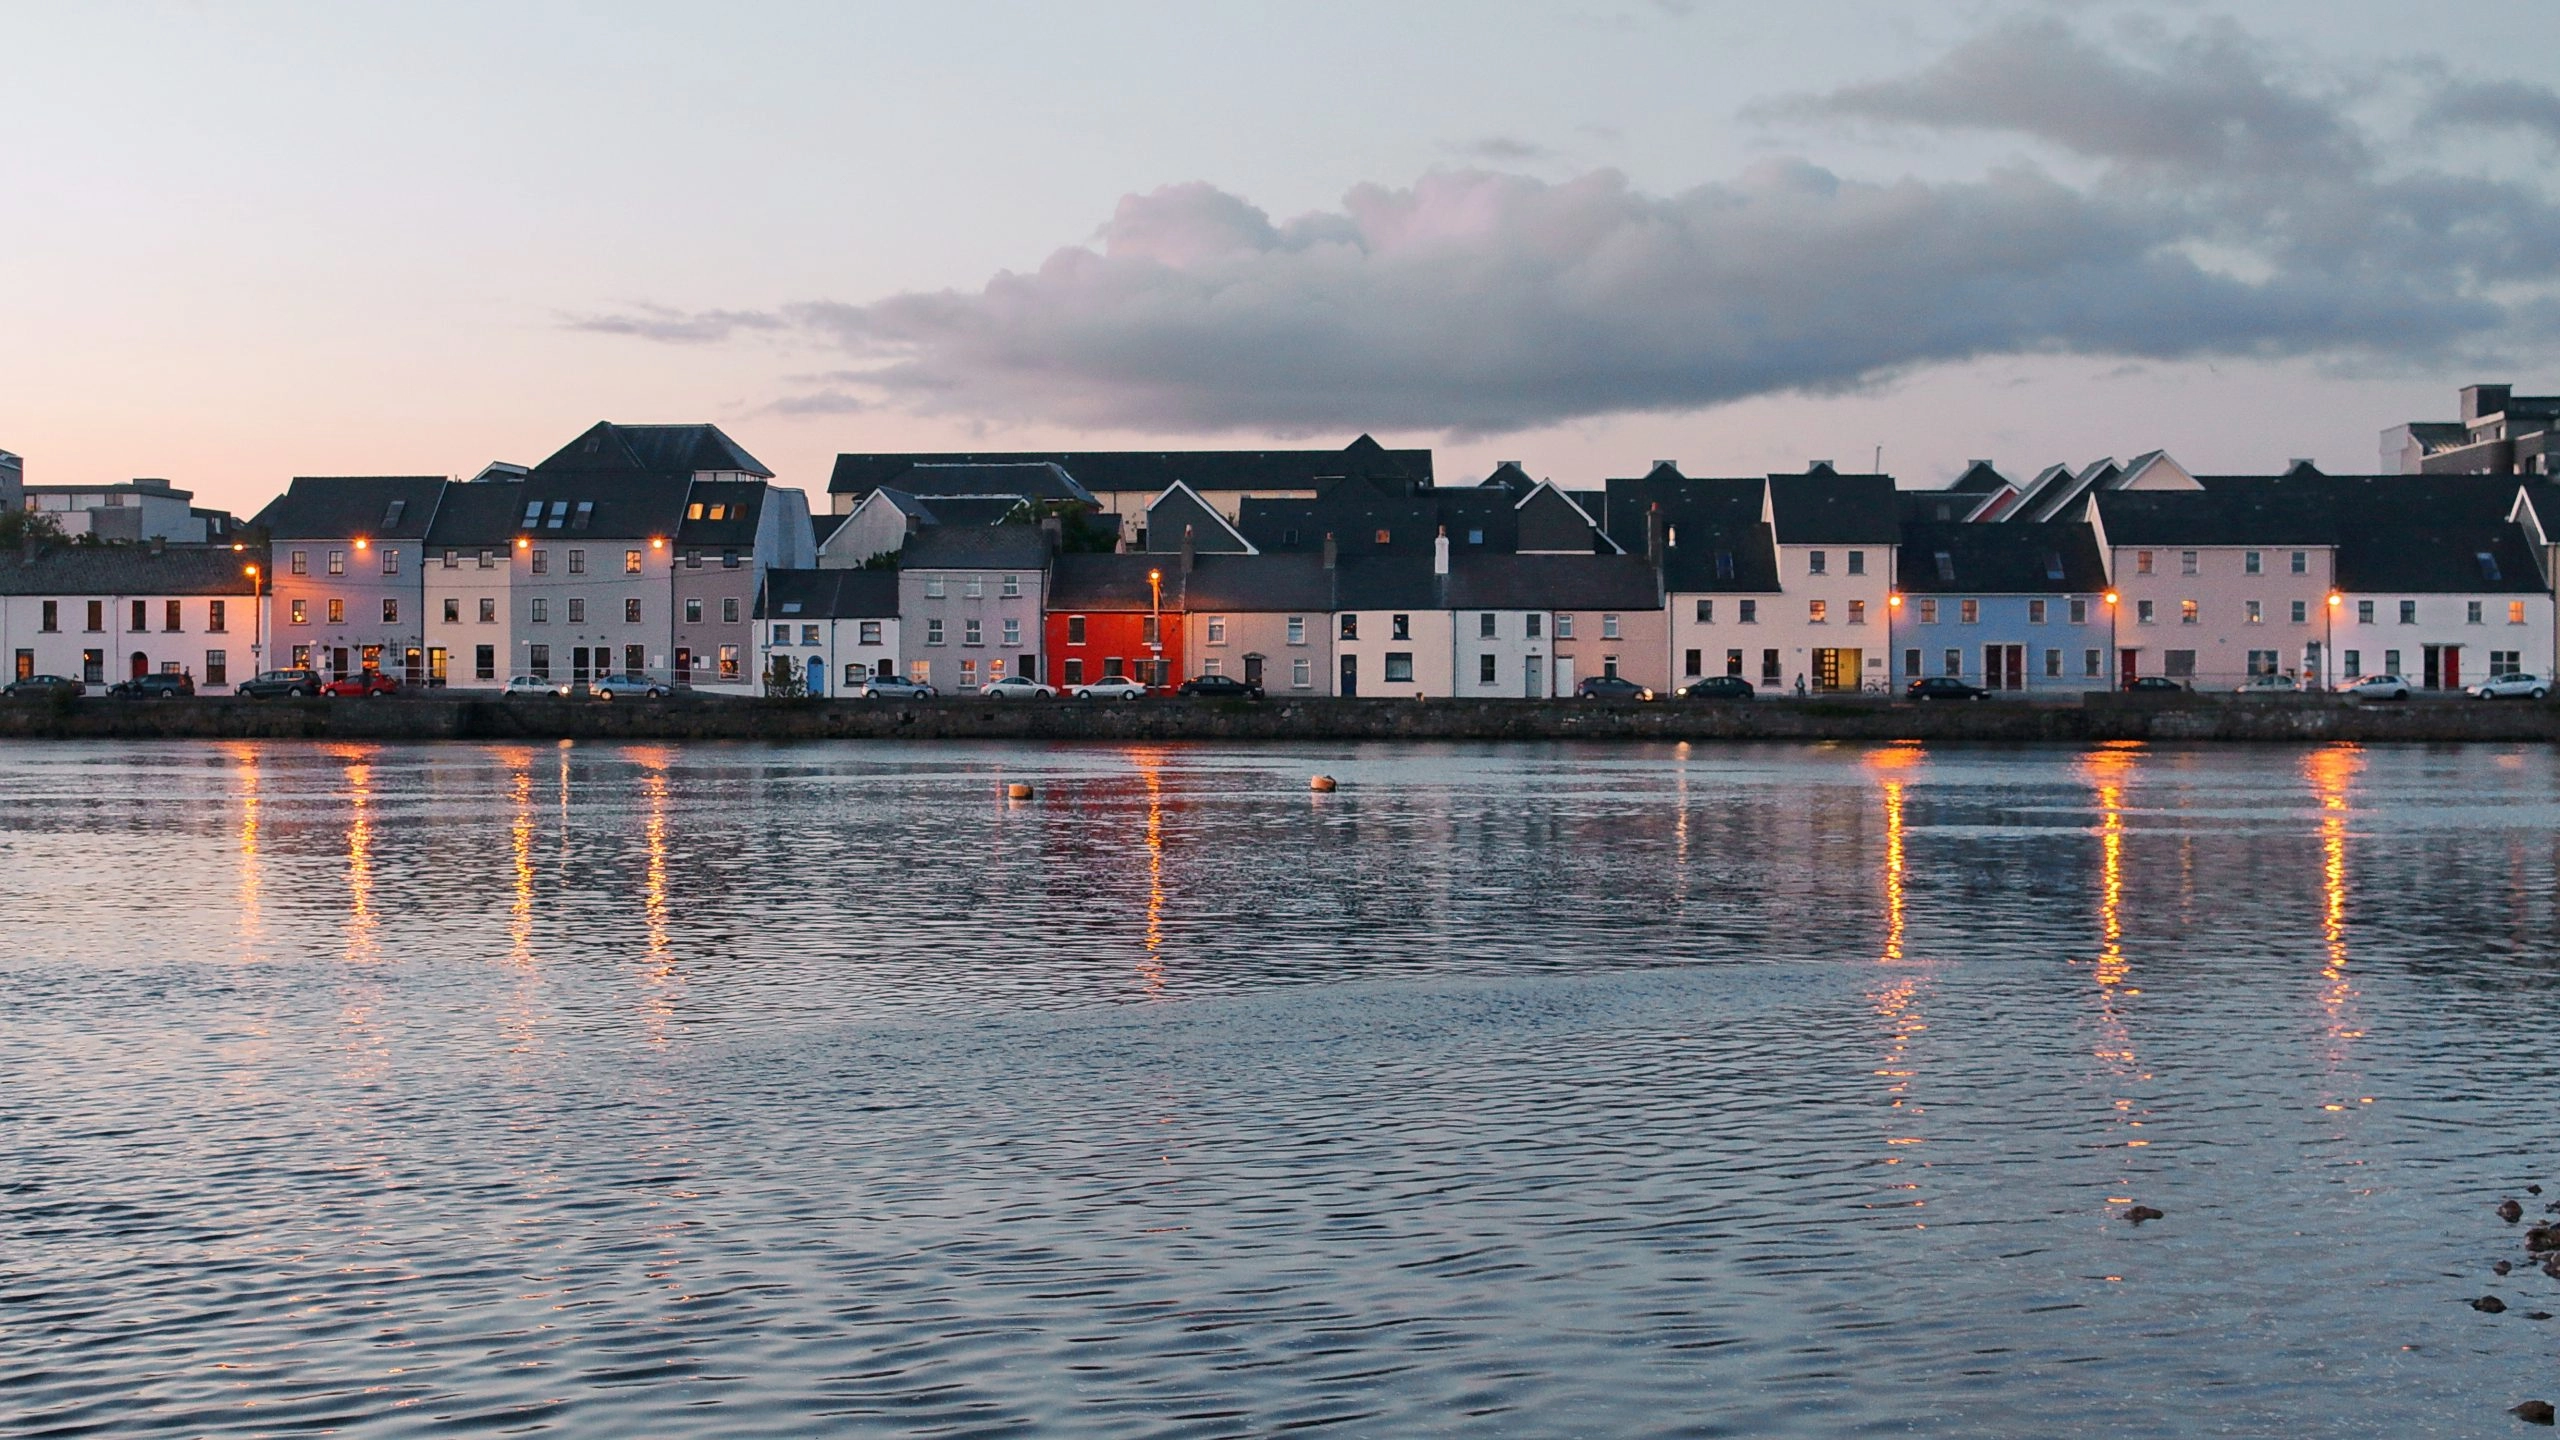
pixel 248 802
pixel 1150 765
pixel 1899 999
pixel 663 980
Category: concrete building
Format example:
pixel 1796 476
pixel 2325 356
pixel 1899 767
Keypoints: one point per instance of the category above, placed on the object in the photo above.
pixel 134 511
pixel 2013 608
pixel 346 573
pixel 828 631
pixel 1265 619
pixel 2500 433
pixel 470 584
pixel 1121 616
pixel 971 604
pixel 100 614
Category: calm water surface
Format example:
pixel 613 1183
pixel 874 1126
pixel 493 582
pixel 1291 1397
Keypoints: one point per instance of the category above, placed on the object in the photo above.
pixel 624 1091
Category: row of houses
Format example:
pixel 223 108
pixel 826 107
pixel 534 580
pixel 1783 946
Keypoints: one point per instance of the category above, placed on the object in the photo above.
pixel 668 552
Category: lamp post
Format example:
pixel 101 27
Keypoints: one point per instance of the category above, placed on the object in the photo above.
pixel 1155 626
pixel 2115 649
pixel 2329 636
pixel 1892 612
pixel 257 618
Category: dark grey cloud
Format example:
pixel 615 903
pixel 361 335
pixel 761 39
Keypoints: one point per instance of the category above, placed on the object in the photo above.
pixel 2501 104
pixel 2232 213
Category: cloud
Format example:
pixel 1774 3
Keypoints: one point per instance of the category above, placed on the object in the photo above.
pixel 659 322
pixel 818 402
pixel 1501 148
pixel 2504 104
pixel 2231 213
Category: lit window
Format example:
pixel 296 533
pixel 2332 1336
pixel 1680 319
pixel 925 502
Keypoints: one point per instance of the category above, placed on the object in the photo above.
pixel 2515 612
pixel 1969 611
pixel 1928 612
pixel 630 562
pixel 2035 612
pixel 1857 611
pixel 1817 611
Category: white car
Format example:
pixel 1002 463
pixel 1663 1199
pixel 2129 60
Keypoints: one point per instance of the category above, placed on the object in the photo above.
pixel 617 687
pixel 534 685
pixel 2500 687
pixel 2267 685
pixel 1017 687
pixel 2379 687
pixel 896 687
pixel 1113 687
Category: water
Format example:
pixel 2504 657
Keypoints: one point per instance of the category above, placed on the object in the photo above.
pixel 640 1090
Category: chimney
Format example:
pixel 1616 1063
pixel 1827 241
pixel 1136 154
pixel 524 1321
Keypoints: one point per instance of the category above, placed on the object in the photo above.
pixel 1190 551
pixel 1331 552
pixel 159 544
pixel 1812 465
pixel 1440 553
pixel 1656 536
pixel 1053 530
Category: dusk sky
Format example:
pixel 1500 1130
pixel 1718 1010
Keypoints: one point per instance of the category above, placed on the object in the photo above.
pixel 253 241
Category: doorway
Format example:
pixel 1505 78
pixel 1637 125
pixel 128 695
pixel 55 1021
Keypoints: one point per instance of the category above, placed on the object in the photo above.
pixel 1564 675
pixel 413 667
pixel 1533 675
pixel 1253 669
pixel 436 663
pixel 684 666
pixel 2004 667
pixel 2128 668
pixel 1350 675
pixel 141 665
pixel 2443 667
pixel 1836 669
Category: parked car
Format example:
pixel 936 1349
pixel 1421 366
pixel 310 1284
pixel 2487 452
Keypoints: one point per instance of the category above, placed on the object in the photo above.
pixel 1110 687
pixel 627 687
pixel 1720 687
pixel 2158 685
pixel 2267 685
pixel 896 687
pixel 2379 687
pixel 2519 685
pixel 43 687
pixel 1017 687
pixel 1218 687
pixel 161 685
pixel 1610 687
pixel 269 684
pixel 1942 687
pixel 534 685
pixel 363 685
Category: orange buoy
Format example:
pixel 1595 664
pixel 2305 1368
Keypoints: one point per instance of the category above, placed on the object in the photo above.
pixel 1017 791
pixel 1322 784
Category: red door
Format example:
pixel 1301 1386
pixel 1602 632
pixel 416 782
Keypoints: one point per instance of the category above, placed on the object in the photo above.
pixel 141 664
pixel 2128 668
pixel 2453 667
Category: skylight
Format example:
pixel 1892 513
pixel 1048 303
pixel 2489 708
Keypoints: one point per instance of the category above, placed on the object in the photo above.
pixel 586 512
pixel 2488 566
pixel 1724 564
pixel 2053 565
pixel 1946 566
pixel 532 513
pixel 391 513
pixel 559 514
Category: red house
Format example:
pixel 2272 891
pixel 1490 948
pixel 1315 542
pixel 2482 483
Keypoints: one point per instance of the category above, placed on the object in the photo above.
pixel 1114 615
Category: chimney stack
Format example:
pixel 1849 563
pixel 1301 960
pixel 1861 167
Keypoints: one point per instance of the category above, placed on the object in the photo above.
pixel 1331 552
pixel 1440 552
pixel 1190 550
pixel 1656 536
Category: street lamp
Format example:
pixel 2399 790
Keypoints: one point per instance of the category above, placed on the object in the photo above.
pixel 2115 648
pixel 1892 612
pixel 257 617
pixel 1155 625
pixel 2329 636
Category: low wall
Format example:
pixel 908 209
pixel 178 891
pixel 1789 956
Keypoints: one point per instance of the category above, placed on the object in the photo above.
pixel 2102 717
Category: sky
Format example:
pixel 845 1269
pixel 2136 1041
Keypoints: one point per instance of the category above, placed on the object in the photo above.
pixel 250 241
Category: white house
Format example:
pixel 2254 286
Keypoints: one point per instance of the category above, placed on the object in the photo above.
pixel 100 614
pixel 829 629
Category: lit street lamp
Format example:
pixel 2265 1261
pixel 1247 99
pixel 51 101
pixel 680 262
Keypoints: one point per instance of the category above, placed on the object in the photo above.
pixel 1155 625
pixel 2115 649
pixel 1892 612
pixel 2329 636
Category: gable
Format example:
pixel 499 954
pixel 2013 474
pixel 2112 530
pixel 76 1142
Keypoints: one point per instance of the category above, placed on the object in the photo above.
pixel 1550 523
pixel 1179 510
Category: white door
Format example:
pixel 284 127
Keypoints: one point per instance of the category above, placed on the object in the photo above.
pixel 1564 675
pixel 1533 677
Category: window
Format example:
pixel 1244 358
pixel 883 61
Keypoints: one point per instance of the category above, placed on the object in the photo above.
pixel 52 619
pixel 1486 627
pixel 1750 612
pixel 1857 562
pixel 1485 672
pixel 728 662
pixel 337 562
pixel 1857 612
pixel 2515 612
pixel 586 512
pixel 2053 564
pixel 1951 662
pixel 2186 612
pixel 2301 562
pixel 1911 663
pixel 2364 612
pixel 1075 629
pixel 2249 563
pixel 1564 627
pixel 933 632
pixel 559 514
pixel 1399 667
pixel 968 674
pixel 93 666
pixel 301 612
pixel 1400 627
pixel 2505 662
pixel 1475 537
pixel 577 562
pixel 578 611
pixel 1724 564
pixel 488 610
pixel 537 658
pixel 2178 664
pixel 488 559
pixel 1815 562
pixel 1297 629
pixel 2488 566
pixel 141 617
pixel 1010 586
pixel 729 611
pixel 933 587
pixel 870 632
pixel 1382 537
pixel 693 611
pixel 1012 633
pixel 1706 612
pixel 217 667
pixel 214 613
pixel 693 559
pixel 1733 662
pixel 2186 562
pixel 2390 662
pixel 781 634
pixel 337 612
pixel 541 612
pixel 2263 662
pixel 2355 664
pixel 1350 627
pixel 1608 627
pixel 1694 660
pixel 630 612
pixel 920 671
pixel 1074 672
pixel 541 562
pixel 301 657
pixel 728 559
pixel 1929 612
pixel 2093 664
pixel 630 562
pixel 1150 630
pixel 1530 623
pixel 532 513
pixel 452 610
pixel 171 617
pixel 2079 612
pixel 301 563
pixel 2141 562
pixel 693 511
pixel 484 662
pixel 1301 673
pixel 2301 612
pixel 390 560
pixel 2408 612
pixel 1217 629
pixel 1969 612
pixel 808 634
pixel 2470 612
pixel 1817 611
pixel 2053 664
pixel 977 587
pixel 2035 612
pixel 1772 671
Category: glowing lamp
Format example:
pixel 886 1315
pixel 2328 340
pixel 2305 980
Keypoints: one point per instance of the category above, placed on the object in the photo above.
pixel 1894 600
pixel 657 542
pixel 524 543
pixel 359 542
pixel 2335 599
pixel 2111 597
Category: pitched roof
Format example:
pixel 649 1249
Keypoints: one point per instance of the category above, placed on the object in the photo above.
pixel 2254 511
pixel 1824 507
pixel 1113 582
pixel 1030 479
pixel 1553 582
pixel 1181 506
pixel 2022 558
pixel 325 507
pixel 1386 582
pixel 611 449
pixel 988 547
pixel 1356 516
pixel 1150 472
pixel 478 515
pixel 128 570
pixel 829 595
pixel 739 503
pixel 1720 557
pixel 1255 583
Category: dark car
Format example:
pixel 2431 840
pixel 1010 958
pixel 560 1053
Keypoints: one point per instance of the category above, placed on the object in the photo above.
pixel 1943 687
pixel 158 686
pixel 1720 687
pixel 363 685
pixel 1610 687
pixel 1218 687
pixel 43 687
pixel 272 683
pixel 2156 685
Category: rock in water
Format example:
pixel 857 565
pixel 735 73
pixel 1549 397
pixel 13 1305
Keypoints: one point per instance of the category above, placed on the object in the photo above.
pixel 2510 1211
pixel 2502 1267
pixel 2140 1213
pixel 2532 1412
pixel 2489 1305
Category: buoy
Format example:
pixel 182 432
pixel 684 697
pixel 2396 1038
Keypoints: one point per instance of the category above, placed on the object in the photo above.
pixel 1322 784
pixel 1017 791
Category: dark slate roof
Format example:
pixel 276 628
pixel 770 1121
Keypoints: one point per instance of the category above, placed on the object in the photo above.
pixel 476 516
pixel 829 595
pixel 1511 477
pixel 2021 558
pixel 1711 557
pixel 1920 507
pixel 825 524
pixel 2256 511
pixel 2410 534
pixel 610 449
pixel 740 503
pixel 1179 508
pixel 958 509
pixel 1553 582
pixel 1386 582
pixel 1685 501
pixel 1980 478
pixel 1824 507
pixel 1547 519
pixel 629 506
pixel 1152 471
pixel 1112 582
pixel 326 507
pixel 1355 516
pixel 1259 583
pixel 1031 479
pixel 991 547
pixel 128 570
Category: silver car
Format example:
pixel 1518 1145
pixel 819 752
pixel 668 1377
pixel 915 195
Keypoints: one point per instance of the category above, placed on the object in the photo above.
pixel 2379 687
pixel 624 687
pixel 2518 686
pixel 1017 687
pixel 1110 687
pixel 896 687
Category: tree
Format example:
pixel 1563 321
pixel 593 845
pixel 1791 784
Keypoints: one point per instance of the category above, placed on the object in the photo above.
pixel 19 527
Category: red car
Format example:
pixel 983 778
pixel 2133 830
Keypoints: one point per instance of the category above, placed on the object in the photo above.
pixel 369 682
